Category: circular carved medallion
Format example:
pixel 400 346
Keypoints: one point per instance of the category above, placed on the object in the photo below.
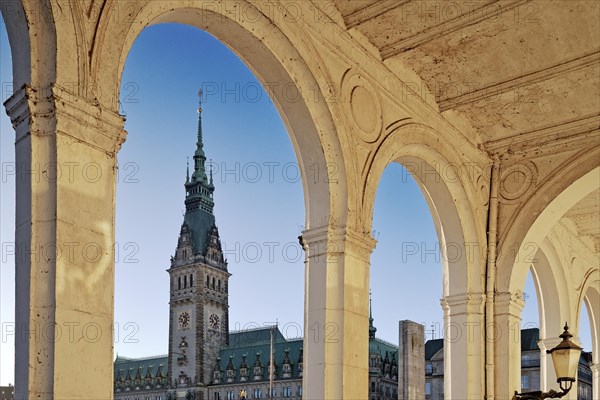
pixel 516 180
pixel 363 105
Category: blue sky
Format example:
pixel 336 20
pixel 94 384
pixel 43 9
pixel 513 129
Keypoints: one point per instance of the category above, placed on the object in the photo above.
pixel 259 204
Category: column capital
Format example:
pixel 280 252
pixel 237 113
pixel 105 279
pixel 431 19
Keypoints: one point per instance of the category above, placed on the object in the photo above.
pixel 55 110
pixel 595 368
pixel 509 303
pixel 549 343
pixel 338 240
pixel 465 303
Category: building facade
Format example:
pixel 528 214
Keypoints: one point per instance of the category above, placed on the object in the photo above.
pixel 530 367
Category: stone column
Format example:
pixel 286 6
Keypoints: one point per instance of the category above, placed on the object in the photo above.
pixel 595 380
pixel 464 346
pixel 336 339
pixel 506 334
pixel 65 197
pixel 547 372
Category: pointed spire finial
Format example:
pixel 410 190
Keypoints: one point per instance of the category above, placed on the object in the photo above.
pixel 199 143
pixel 372 328
pixel 187 173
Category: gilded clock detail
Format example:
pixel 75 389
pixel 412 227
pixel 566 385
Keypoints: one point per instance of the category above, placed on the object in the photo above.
pixel 184 320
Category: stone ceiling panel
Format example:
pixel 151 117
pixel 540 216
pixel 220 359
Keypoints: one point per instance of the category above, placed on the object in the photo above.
pixel 540 105
pixel 503 49
pixel 508 66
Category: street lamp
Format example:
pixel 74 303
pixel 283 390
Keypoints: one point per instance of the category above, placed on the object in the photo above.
pixel 565 358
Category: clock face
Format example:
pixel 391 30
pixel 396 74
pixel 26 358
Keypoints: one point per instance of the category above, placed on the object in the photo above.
pixel 214 321
pixel 184 319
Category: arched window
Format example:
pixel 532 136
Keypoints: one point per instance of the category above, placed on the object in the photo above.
pixel 184 281
pixel 191 280
pixel 178 283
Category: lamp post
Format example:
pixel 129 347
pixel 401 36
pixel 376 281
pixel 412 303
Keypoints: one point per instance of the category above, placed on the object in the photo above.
pixel 565 357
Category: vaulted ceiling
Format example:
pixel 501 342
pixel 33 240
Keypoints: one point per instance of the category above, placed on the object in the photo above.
pixel 522 73
pixel 585 218
pixel 518 71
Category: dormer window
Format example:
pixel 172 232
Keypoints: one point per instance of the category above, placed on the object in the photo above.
pixel 230 375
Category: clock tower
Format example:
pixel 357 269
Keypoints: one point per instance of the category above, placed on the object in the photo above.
pixel 199 310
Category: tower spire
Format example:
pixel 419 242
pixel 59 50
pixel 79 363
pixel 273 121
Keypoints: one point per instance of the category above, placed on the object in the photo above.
pixel 199 144
pixel 210 171
pixel 187 172
pixel 199 190
pixel 372 328
pixel 199 156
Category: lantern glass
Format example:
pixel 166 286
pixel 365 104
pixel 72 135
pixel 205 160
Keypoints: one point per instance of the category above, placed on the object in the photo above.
pixel 566 362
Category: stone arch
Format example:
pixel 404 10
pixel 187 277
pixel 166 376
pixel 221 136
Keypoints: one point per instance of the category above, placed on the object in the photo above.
pixel 552 290
pixel 277 64
pixel 435 167
pixel 79 57
pixel 590 294
pixel 275 59
pixel 536 219
pixel 553 306
pixel 32 39
pixel 551 201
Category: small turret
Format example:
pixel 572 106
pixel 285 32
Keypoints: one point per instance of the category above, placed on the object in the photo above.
pixel 258 368
pixel 372 328
pixel 217 372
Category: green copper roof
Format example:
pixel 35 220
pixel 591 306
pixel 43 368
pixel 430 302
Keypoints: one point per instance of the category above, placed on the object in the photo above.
pixel 132 366
pixel 379 346
pixel 253 337
pixel 237 354
pixel 257 342
pixel 200 224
